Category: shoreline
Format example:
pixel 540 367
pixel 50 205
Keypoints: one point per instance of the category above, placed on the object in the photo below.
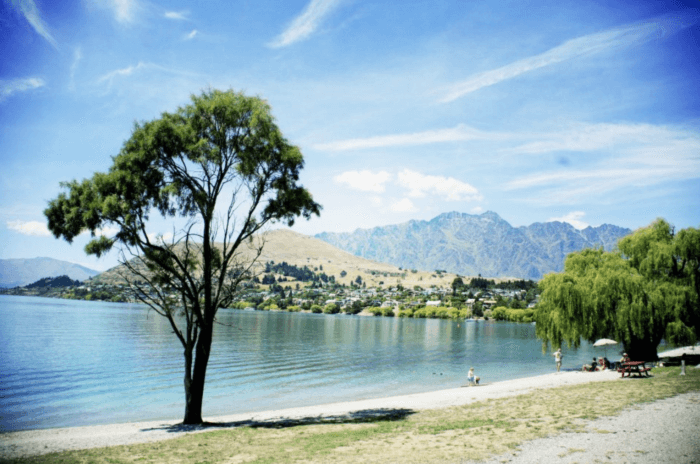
pixel 43 441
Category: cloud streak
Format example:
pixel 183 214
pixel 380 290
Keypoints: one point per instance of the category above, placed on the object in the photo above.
pixel 449 188
pixel 461 133
pixel 123 10
pixel 635 156
pixel 31 13
pixel 628 35
pixel 9 88
pixel 304 25
pixel 574 218
pixel 111 76
pixel 31 228
pixel 364 181
pixel 177 15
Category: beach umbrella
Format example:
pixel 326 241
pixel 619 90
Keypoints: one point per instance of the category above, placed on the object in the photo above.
pixel 605 342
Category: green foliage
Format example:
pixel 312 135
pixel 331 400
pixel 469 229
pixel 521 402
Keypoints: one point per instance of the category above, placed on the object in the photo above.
pixel 646 291
pixel 331 308
pixel 480 282
pixel 437 312
pixel 517 285
pixel 178 167
pixel 317 309
pixel 501 313
pixel 386 311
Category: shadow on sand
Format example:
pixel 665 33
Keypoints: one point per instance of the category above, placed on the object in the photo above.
pixel 366 415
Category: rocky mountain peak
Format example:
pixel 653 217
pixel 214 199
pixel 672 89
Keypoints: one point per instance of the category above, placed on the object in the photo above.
pixel 470 244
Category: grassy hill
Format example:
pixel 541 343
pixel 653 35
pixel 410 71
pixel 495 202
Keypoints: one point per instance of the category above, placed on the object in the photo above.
pixel 284 245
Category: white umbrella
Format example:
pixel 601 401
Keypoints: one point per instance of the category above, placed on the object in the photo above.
pixel 605 342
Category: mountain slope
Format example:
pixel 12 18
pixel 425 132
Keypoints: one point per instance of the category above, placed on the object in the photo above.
pixel 20 272
pixel 283 245
pixel 475 244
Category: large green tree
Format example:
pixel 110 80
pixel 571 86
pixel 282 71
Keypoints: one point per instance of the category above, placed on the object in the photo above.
pixel 220 170
pixel 645 291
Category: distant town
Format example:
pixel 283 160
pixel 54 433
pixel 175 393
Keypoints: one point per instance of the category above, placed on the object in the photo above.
pixel 285 287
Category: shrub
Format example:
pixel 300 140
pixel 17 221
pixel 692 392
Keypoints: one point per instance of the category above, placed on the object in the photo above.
pixel 316 309
pixel 375 311
pixel 406 313
pixel 331 309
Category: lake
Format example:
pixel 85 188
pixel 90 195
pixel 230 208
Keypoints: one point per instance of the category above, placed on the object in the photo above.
pixel 72 363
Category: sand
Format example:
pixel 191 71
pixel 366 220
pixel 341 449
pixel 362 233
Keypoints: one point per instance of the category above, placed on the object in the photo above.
pixel 36 442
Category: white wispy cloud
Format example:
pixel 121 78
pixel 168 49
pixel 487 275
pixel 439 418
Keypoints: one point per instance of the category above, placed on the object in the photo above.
pixel 77 57
pixel 460 133
pixel 8 88
pixel 111 76
pixel 177 15
pixel 306 23
pixel 451 189
pixel 191 35
pixel 31 228
pixel 365 181
pixel 628 35
pixel 404 205
pixel 574 218
pixel 592 137
pixel 129 70
pixel 124 11
pixel 577 185
pixel 31 13
pixel 619 156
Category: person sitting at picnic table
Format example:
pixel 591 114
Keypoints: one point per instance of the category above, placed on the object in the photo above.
pixel 471 378
pixel 624 358
pixel 590 367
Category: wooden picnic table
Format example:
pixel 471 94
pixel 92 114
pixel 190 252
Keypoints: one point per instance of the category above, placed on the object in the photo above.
pixel 634 367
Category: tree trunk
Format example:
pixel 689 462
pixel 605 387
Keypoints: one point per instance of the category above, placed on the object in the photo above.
pixel 194 386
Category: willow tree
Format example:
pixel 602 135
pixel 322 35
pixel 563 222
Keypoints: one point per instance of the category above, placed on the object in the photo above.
pixel 219 169
pixel 645 291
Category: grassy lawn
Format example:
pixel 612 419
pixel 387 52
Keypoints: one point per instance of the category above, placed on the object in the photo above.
pixel 475 431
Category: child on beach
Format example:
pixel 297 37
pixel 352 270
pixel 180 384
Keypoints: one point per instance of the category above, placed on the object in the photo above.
pixel 471 378
pixel 557 357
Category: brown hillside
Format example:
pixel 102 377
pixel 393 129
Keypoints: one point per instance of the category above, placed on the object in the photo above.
pixel 284 245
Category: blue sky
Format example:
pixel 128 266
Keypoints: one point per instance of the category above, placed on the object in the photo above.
pixel 585 112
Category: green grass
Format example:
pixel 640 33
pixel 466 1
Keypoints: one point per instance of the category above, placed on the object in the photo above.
pixel 474 431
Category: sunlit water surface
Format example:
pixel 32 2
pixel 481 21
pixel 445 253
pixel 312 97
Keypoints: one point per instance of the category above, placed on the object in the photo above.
pixel 70 363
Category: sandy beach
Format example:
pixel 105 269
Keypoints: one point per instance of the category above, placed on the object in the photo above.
pixel 36 442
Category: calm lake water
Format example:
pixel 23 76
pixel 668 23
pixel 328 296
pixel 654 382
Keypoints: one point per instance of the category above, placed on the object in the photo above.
pixel 71 363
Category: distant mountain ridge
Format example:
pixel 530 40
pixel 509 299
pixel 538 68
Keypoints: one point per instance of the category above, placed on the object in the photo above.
pixel 469 244
pixel 20 272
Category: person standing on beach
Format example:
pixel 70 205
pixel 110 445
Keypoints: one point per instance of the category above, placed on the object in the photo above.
pixel 557 357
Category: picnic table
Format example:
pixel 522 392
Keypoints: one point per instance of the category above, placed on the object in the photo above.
pixel 634 367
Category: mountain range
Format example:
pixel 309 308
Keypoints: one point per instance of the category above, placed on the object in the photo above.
pixel 482 244
pixel 20 272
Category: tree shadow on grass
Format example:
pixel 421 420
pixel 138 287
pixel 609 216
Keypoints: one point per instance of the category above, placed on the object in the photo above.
pixel 355 417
